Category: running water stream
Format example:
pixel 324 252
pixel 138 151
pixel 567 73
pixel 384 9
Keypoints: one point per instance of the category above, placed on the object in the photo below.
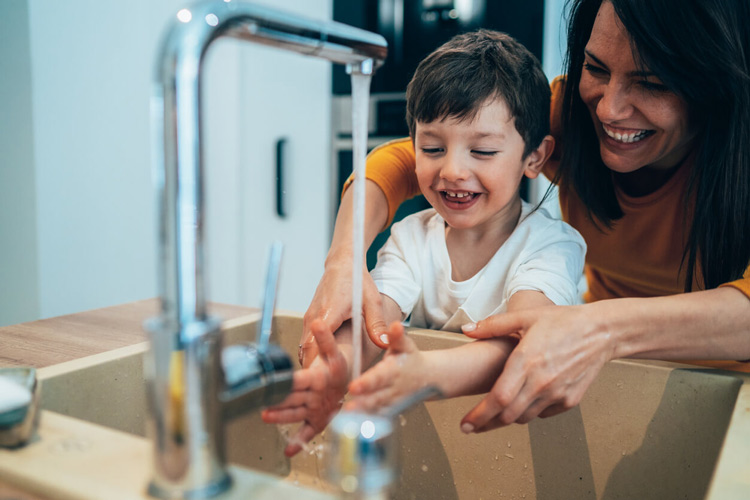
pixel 361 76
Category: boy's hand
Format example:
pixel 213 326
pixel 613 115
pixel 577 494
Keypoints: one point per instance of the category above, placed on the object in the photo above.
pixel 401 372
pixel 316 393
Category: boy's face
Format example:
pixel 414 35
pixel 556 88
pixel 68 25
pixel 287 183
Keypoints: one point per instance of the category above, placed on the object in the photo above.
pixel 470 170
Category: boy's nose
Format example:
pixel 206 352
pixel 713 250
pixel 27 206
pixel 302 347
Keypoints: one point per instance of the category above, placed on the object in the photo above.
pixel 453 170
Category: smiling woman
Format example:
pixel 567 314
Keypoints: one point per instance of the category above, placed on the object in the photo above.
pixel 652 160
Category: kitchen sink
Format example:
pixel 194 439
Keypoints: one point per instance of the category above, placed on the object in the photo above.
pixel 643 430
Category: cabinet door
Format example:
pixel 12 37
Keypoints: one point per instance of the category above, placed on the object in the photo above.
pixel 255 97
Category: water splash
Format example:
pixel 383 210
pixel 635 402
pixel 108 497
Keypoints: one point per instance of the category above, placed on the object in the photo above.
pixel 289 434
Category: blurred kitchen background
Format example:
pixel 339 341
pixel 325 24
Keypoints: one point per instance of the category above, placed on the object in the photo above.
pixel 77 201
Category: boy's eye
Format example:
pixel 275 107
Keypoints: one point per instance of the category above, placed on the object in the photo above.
pixel 432 151
pixel 483 152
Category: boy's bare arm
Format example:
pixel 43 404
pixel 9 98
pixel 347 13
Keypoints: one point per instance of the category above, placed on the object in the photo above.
pixel 468 369
pixel 528 299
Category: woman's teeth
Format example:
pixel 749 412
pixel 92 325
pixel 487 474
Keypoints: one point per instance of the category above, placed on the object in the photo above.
pixel 626 138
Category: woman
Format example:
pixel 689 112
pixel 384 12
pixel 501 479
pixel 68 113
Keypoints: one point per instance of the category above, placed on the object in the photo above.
pixel 653 163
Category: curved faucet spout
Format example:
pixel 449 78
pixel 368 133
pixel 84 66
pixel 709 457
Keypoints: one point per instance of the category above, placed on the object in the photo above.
pixel 186 369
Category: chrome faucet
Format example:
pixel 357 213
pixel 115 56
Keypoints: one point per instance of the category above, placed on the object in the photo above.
pixel 191 391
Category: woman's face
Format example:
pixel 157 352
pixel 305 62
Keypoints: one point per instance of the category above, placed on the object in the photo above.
pixel 638 121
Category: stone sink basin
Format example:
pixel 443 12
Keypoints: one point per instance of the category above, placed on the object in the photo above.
pixel 644 430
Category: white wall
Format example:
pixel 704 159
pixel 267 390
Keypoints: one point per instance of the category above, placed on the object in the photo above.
pixel 19 280
pixel 553 54
pixel 77 220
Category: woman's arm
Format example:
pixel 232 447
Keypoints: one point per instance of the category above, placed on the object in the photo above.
pixel 390 181
pixel 332 302
pixel 562 349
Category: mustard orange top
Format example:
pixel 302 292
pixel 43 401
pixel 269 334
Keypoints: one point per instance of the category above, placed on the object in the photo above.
pixel 639 256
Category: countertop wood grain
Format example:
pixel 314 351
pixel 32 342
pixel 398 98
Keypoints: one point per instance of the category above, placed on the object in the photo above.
pixel 55 340
pixel 64 338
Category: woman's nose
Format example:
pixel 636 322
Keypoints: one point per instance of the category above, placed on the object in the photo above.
pixel 614 104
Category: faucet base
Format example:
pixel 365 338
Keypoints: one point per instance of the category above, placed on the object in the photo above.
pixel 209 491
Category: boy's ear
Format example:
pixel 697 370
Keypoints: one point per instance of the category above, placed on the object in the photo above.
pixel 537 158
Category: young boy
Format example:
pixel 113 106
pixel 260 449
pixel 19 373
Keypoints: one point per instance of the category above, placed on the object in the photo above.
pixel 478 113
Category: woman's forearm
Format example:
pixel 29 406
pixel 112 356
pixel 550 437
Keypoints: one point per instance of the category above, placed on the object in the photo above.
pixel 711 324
pixel 376 215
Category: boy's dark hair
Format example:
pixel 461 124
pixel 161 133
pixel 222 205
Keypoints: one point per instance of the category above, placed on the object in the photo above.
pixel 463 74
pixel 699 49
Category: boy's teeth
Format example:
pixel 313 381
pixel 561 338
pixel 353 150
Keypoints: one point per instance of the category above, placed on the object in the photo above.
pixel 457 195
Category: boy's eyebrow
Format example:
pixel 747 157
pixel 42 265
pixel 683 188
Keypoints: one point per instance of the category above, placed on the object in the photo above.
pixel 637 74
pixel 478 135
pixel 427 132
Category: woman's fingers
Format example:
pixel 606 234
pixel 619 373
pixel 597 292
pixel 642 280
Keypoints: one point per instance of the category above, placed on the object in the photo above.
pixel 330 304
pixel 494 405
pixel 495 326
pixel 372 308
pixel 324 338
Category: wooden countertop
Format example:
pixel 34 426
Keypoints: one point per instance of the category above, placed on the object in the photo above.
pixel 64 338
pixel 55 340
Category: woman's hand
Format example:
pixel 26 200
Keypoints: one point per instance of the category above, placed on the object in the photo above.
pixel 560 353
pixel 401 372
pixel 317 391
pixel 332 304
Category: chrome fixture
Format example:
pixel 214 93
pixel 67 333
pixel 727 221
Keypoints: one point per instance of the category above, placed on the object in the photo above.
pixel 19 406
pixel 190 391
pixel 362 457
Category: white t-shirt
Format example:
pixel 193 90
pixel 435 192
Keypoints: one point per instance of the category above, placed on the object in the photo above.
pixel 414 269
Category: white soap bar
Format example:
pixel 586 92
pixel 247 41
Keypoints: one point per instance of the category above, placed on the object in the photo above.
pixel 12 395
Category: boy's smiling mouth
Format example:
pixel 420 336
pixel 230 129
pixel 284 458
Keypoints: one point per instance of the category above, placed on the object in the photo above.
pixel 458 199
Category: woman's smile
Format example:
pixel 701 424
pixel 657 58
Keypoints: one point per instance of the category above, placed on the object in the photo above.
pixel 626 136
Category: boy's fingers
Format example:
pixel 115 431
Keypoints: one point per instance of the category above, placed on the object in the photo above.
pixel 497 325
pixel 285 416
pixel 398 342
pixel 372 380
pixel 303 435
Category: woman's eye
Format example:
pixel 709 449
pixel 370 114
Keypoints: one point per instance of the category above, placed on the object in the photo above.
pixel 594 70
pixel 653 86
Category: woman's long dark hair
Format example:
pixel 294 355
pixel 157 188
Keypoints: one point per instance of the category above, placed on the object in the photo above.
pixel 700 49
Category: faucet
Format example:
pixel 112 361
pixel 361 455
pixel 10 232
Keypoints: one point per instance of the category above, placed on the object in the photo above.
pixel 190 381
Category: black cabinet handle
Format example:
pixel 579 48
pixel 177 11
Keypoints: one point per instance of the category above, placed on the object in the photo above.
pixel 280 150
